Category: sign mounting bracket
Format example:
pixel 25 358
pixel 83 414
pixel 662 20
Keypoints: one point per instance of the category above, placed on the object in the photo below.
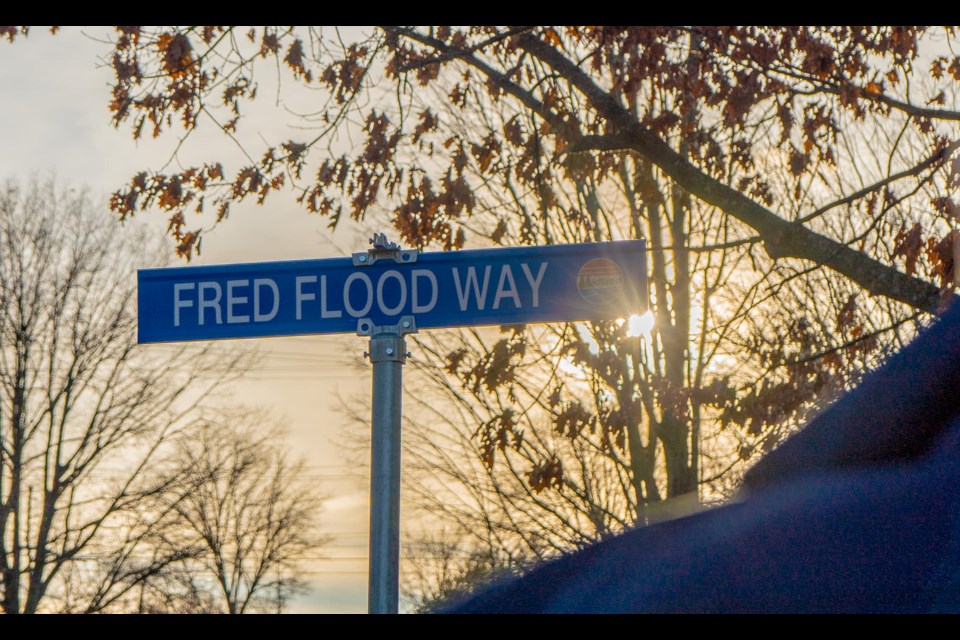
pixel 383 249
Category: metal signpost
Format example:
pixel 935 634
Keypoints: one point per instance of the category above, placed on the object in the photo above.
pixel 385 293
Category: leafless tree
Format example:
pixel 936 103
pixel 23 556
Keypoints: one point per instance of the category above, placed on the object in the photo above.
pixel 245 510
pixel 85 414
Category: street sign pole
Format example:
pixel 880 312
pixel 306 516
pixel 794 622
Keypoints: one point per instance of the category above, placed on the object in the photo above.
pixel 388 352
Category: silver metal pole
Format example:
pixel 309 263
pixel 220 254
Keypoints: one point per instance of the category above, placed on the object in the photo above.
pixel 388 351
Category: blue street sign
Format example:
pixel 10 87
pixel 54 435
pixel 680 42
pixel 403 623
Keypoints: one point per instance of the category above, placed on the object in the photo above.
pixel 557 283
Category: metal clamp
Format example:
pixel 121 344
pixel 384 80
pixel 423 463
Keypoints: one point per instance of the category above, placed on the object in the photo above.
pixel 407 324
pixel 383 249
pixel 386 341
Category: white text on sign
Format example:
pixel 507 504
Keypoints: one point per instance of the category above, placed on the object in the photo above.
pixel 256 300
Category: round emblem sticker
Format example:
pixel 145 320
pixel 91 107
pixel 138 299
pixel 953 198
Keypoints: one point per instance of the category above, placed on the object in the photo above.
pixel 600 281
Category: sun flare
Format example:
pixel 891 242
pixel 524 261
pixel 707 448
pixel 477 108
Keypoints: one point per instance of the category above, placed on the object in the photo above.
pixel 640 325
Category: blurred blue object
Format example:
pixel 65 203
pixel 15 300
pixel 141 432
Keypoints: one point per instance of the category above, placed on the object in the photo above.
pixel 857 513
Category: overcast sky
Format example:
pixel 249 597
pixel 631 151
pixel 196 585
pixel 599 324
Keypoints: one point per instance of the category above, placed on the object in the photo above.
pixel 54 120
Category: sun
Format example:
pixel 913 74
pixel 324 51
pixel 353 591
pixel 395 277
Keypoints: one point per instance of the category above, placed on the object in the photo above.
pixel 640 325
